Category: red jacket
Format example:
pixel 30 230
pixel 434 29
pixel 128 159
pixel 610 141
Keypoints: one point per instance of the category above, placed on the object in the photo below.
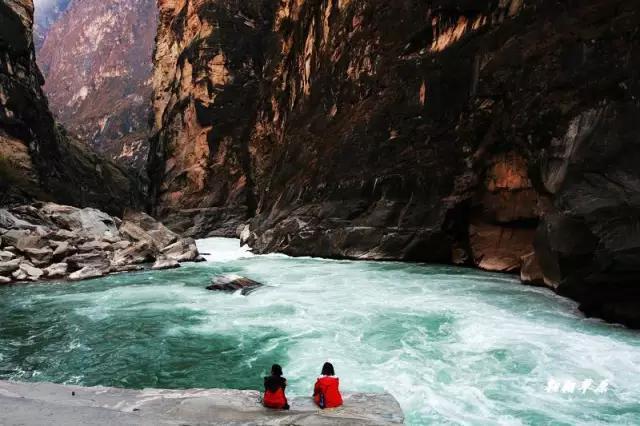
pixel 274 396
pixel 328 386
pixel 275 399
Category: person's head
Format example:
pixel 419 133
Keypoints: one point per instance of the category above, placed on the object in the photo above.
pixel 327 369
pixel 276 370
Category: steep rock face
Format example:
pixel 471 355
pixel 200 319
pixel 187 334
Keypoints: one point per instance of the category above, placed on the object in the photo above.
pixel 37 158
pixel 96 60
pixel 479 133
pixel 208 63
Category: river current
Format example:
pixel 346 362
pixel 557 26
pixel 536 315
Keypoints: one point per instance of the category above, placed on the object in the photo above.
pixel 453 345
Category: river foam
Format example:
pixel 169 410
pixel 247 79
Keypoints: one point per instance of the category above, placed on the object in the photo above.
pixel 454 346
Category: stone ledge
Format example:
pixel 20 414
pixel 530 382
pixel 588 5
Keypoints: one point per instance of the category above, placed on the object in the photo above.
pixel 47 403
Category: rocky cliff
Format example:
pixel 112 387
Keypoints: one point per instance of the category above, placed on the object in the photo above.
pixel 208 68
pixel 37 158
pixel 96 60
pixel 499 134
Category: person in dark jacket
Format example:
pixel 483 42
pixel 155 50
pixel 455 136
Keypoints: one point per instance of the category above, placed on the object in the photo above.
pixel 326 392
pixel 274 387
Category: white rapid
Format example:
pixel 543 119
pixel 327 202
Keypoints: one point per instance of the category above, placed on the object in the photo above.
pixel 454 346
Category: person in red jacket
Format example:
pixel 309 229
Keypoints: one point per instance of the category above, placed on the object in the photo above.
pixel 274 386
pixel 326 392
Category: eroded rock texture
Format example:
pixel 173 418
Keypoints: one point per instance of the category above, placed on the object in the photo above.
pixel 37 158
pixel 208 66
pixel 96 59
pixel 471 132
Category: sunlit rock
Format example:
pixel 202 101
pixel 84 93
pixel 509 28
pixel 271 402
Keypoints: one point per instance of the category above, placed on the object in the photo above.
pixel 86 273
pixel 9 266
pixel 140 252
pixel 30 272
pixel 6 255
pixel 57 270
pixel 163 263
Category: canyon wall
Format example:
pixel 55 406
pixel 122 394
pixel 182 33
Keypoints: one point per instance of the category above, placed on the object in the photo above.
pixel 502 135
pixel 38 159
pixel 207 75
pixel 96 58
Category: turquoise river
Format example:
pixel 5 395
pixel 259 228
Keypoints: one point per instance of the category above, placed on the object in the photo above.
pixel 454 346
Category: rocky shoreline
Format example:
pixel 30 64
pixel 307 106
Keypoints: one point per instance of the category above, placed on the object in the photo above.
pixel 48 241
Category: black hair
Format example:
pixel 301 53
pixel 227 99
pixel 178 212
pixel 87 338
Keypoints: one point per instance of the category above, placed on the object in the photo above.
pixel 276 370
pixel 327 369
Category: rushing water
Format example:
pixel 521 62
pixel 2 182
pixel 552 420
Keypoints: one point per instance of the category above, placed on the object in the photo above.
pixel 454 346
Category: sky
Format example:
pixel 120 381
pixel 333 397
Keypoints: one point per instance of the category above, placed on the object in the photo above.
pixel 44 3
pixel 45 10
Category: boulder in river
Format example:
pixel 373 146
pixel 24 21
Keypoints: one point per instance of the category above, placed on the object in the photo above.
pixel 231 283
pixel 140 252
pixel 116 269
pixel 5 280
pixel 9 266
pixel 164 263
pixel 6 255
pixel 57 270
pixel 31 272
pixel 19 275
pixel 531 272
pixel 86 273
pixel 183 250
pixel 98 260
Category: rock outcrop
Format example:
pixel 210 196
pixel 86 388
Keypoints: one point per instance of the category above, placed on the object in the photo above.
pixel 46 403
pixel 479 133
pixel 38 159
pixel 48 241
pixel 208 62
pixel 231 283
pixel 96 61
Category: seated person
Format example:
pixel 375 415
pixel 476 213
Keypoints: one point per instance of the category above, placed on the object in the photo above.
pixel 326 392
pixel 274 386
